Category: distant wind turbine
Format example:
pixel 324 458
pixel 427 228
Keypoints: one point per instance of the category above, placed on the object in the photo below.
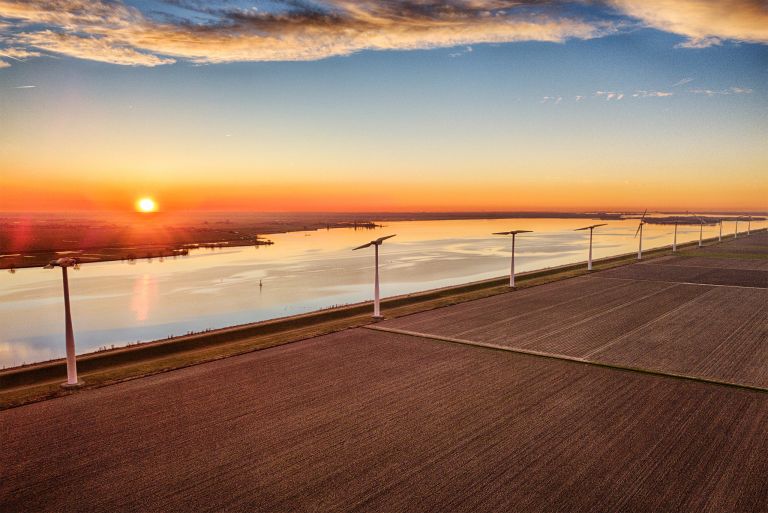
pixel 64 263
pixel 736 229
pixel 590 228
pixel 720 234
pixel 513 233
pixel 674 240
pixel 375 243
pixel 701 232
pixel 640 231
pixel 749 225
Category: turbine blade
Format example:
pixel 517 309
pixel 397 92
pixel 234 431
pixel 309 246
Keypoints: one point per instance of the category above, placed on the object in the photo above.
pixel 646 211
pixel 638 229
pixel 363 246
pixel 502 233
pixel 382 239
pixel 592 227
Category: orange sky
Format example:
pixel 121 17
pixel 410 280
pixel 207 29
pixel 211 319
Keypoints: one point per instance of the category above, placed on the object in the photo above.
pixel 368 196
pixel 564 106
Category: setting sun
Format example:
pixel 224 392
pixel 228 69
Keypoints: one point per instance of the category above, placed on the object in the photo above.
pixel 146 205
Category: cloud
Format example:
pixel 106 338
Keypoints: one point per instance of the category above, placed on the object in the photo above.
pixel 651 94
pixel 461 53
pixel 609 95
pixel 110 31
pixel 25 87
pixel 682 81
pixel 703 22
pixel 722 92
pixel 103 49
pixel 17 54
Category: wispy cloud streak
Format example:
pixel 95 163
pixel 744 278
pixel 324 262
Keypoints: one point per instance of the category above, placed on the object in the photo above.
pixel 682 82
pixel 651 94
pixel 722 92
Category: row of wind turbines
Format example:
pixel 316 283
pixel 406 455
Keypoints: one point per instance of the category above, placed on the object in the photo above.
pixel 514 233
pixel 67 262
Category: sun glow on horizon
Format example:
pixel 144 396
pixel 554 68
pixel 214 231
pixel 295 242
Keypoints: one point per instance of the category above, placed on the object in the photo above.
pixel 146 205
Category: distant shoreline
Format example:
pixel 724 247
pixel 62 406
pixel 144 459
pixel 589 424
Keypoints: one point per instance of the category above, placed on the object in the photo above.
pixel 35 240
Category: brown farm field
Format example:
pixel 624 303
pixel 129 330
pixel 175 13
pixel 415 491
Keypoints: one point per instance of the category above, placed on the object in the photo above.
pixel 370 421
pixel 640 388
pixel 714 262
pixel 700 321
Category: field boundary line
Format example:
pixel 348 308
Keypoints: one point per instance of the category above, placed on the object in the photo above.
pixel 572 359
pixel 688 282
pixel 708 266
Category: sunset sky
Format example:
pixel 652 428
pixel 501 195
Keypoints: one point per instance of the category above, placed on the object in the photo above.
pixel 343 105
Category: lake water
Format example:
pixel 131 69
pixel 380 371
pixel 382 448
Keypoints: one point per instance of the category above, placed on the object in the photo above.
pixel 116 303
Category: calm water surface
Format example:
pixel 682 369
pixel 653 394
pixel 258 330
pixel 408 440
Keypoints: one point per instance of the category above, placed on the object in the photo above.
pixel 116 303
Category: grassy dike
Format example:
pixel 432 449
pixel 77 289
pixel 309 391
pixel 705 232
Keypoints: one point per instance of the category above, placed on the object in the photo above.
pixel 41 381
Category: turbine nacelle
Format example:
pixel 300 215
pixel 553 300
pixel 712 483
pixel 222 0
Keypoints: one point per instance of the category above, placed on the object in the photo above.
pixel 63 262
pixel 590 227
pixel 513 232
pixel 375 242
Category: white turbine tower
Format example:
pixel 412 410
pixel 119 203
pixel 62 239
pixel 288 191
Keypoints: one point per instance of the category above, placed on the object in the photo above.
pixel 375 243
pixel 640 231
pixel 736 229
pixel 590 228
pixel 64 263
pixel 720 234
pixel 749 225
pixel 674 240
pixel 513 233
pixel 701 232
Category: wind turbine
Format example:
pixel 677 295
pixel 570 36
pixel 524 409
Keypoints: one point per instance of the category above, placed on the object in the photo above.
pixel 701 232
pixel 375 243
pixel 736 230
pixel 590 228
pixel 640 231
pixel 749 224
pixel 513 233
pixel 674 240
pixel 720 234
pixel 64 263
